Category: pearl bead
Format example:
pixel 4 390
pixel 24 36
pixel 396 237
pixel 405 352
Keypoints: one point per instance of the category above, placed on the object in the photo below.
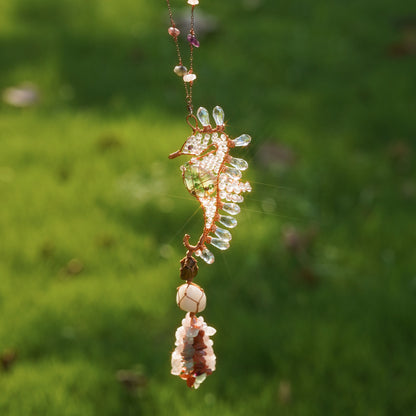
pixel 189 77
pixel 174 32
pixel 180 70
pixel 191 298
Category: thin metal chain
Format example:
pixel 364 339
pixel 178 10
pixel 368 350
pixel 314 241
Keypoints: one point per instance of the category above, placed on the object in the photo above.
pixel 191 61
pixel 188 85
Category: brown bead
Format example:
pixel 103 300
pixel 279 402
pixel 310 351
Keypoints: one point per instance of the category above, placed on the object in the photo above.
pixel 189 268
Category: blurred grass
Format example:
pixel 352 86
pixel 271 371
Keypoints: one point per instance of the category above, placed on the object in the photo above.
pixel 315 301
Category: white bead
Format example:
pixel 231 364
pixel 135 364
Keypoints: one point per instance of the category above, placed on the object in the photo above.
pixel 191 298
pixel 193 2
pixel 189 77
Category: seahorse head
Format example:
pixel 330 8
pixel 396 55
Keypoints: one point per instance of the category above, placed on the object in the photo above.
pixel 194 145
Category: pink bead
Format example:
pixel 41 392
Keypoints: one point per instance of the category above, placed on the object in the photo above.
pixel 174 32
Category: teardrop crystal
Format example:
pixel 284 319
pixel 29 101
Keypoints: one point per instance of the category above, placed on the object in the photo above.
pixel 223 234
pixel 233 173
pixel 218 114
pixel 203 116
pixel 219 243
pixel 231 208
pixel 242 140
pixel 206 255
pixel 199 181
pixel 240 164
pixel 227 221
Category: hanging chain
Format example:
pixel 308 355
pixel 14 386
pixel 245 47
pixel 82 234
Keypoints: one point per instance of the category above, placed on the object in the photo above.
pixel 181 70
pixel 191 60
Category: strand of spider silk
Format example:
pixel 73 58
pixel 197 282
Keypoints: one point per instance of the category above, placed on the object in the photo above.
pixel 182 228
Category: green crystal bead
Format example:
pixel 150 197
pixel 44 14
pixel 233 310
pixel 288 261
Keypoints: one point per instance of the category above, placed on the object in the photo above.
pixel 198 181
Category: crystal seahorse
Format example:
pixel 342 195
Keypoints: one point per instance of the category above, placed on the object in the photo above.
pixel 213 177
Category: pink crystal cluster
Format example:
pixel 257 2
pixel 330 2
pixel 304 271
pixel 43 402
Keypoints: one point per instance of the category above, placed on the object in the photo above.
pixel 193 358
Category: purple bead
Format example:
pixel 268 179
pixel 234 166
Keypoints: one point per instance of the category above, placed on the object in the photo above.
pixel 193 40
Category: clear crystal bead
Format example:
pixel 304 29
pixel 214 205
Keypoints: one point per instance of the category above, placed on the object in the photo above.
pixel 240 164
pixel 242 140
pixel 223 234
pixel 231 208
pixel 227 221
pixel 219 243
pixel 207 256
pixel 203 116
pixel 218 114
pixel 233 173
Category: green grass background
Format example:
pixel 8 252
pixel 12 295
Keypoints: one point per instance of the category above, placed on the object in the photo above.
pixel 314 303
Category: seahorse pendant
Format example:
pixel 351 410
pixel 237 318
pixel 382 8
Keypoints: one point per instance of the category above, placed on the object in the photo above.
pixel 213 177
